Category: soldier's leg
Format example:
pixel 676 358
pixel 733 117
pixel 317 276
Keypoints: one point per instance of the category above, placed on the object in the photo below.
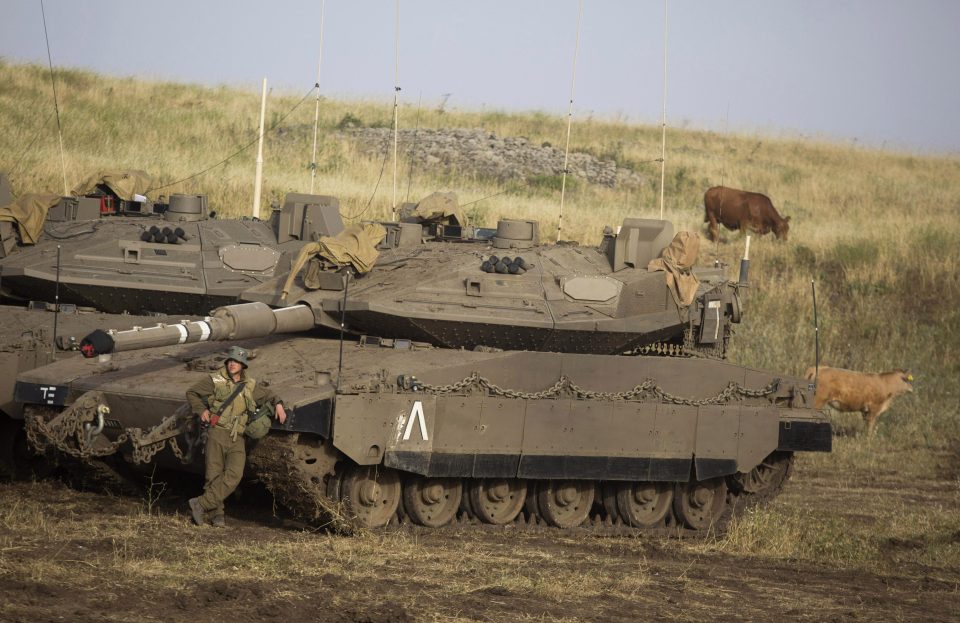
pixel 217 451
pixel 235 458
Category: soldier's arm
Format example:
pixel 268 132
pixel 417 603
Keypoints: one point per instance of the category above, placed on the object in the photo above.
pixel 199 393
pixel 263 395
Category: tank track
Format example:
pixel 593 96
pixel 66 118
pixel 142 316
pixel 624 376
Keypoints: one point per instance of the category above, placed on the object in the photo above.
pixel 307 479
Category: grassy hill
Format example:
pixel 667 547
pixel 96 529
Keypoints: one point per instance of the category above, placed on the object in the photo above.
pixel 879 232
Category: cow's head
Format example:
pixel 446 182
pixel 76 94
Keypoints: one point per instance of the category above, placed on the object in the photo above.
pixel 906 377
pixel 781 228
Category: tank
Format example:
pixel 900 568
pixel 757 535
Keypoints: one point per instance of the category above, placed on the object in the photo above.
pixel 382 430
pixel 32 337
pixel 456 286
pixel 111 248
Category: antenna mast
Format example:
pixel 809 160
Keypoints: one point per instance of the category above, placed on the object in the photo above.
pixel 258 180
pixel 663 140
pixel 316 112
pixel 566 151
pixel 396 112
pixel 56 106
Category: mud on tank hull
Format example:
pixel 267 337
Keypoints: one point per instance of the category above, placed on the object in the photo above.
pixel 434 435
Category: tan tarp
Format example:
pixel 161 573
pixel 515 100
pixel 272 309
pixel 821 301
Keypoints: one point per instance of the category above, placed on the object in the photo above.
pixel 356 245
pixel 125 184
pixel 677 260
pixel 29 212
pixel 439 207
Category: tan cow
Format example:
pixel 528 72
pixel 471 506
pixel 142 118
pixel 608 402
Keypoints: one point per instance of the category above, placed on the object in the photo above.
pixel 868 393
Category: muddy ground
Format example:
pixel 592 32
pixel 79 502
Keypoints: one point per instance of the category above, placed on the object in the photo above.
pixel 90 556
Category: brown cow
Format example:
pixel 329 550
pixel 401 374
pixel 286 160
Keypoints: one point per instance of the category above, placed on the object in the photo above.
pixel 740 209
pixel 870 394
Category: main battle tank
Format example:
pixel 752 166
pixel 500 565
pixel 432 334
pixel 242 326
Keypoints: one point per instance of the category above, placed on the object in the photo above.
pixel 439 281
pixel 111 248
pixel 386 428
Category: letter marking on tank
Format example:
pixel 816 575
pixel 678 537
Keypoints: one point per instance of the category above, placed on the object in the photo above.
pixel 49 393
pixel 416 413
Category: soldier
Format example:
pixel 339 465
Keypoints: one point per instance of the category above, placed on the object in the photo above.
pixel 225 400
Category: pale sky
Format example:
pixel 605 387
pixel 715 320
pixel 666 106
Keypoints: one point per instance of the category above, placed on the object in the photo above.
pixel 881 72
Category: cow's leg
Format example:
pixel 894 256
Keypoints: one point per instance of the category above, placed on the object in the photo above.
pixel 714 231
pixel 870 416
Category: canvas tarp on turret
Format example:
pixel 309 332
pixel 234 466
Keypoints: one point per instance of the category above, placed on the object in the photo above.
pixel 439 207
pixel 677 260
pixel 125 184
pixel 355 246
pixel 29 213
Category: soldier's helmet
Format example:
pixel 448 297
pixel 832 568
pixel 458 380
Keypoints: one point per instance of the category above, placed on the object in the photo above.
pixel 238 354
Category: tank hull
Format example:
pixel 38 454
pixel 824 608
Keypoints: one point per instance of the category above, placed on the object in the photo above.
pixel 440 416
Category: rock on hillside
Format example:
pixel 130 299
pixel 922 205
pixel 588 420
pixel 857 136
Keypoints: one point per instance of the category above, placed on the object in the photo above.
pixel 484 154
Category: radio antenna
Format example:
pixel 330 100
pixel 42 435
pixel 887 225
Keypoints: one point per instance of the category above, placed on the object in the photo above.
pixel 316 112
pixel 566 150
pixel 56 308
pixel 258 179
pixel 816 331
pixel 396 109
pixel 343 322
pixel 56 105
pixel 663 140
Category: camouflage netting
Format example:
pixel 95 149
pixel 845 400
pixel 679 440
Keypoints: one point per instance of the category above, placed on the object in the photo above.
pixel 677 260
pixel 355 246
pixel 29 213
pixel 125 184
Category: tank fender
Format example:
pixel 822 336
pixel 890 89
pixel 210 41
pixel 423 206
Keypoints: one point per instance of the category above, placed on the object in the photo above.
pixel 366 425
pixel 733 438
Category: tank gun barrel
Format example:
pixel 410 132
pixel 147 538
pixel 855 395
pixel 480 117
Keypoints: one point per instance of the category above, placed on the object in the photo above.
pixel 232 322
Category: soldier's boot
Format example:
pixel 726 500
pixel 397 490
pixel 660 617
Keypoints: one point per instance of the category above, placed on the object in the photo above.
pixel 218 521
pixel 196 511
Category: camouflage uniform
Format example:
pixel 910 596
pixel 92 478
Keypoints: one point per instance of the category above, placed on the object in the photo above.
pixel 225 450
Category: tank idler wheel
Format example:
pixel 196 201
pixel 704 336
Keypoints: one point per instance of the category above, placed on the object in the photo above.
pixel 432 502
pixel 565 503
pixel 371 494
pixel 644 504
pixel 497 500
pixel 769 475
pixel 699 503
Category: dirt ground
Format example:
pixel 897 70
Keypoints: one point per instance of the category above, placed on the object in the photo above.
pixel 73 555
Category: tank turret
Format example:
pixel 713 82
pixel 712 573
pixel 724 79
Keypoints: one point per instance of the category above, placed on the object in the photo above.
pixel 112 248
pixel 467 287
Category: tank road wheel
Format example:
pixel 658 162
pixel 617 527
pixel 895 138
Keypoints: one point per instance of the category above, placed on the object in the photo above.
pixel 565 503
pixel 497 500
pixel 644 504
pixel 371 494
pixel 698 504
pixel 432 502
pixel 767 477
